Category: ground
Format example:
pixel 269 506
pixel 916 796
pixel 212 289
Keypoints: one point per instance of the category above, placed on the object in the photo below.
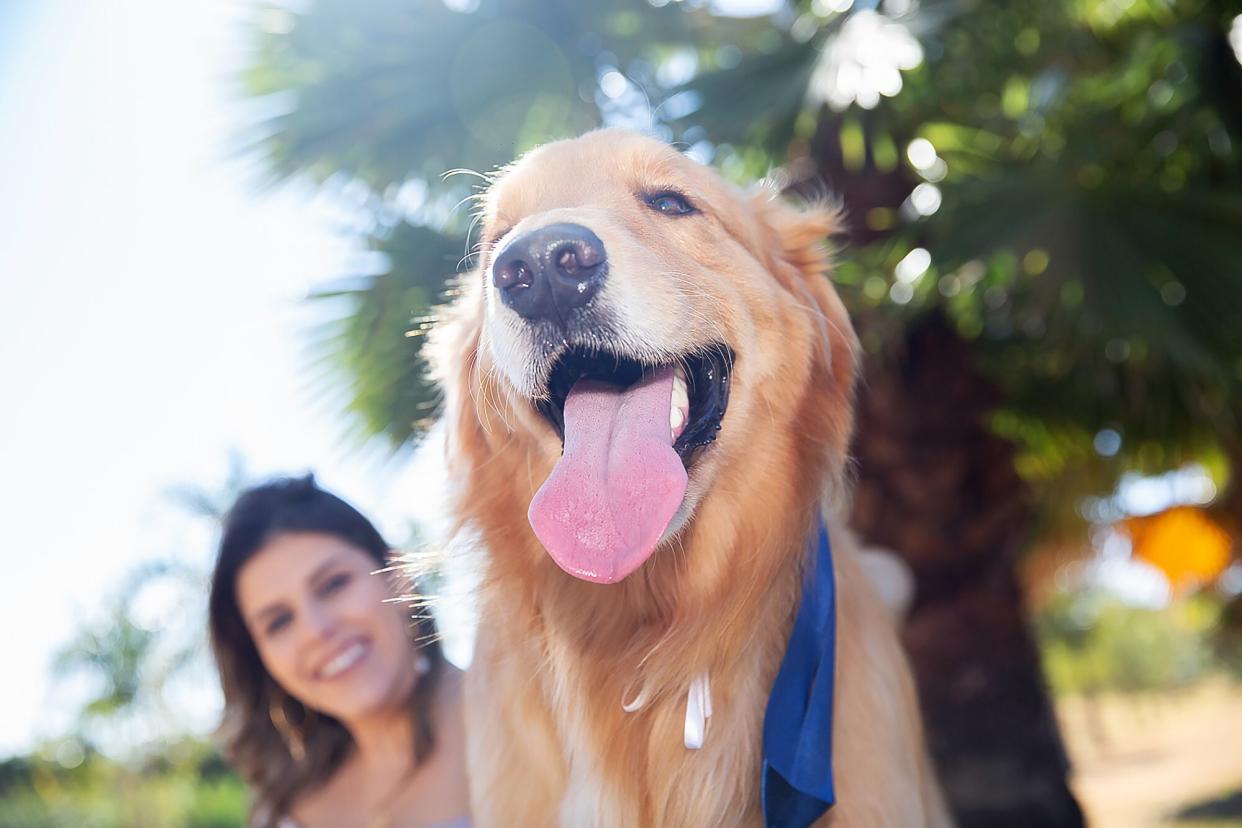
pixel 1158 761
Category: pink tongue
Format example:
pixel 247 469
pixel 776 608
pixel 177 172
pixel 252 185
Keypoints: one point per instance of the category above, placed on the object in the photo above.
pixel 618 484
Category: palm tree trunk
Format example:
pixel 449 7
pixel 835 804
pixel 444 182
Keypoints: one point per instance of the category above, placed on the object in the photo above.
pixel 935 486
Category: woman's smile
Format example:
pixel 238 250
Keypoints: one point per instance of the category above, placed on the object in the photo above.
pixel 345 658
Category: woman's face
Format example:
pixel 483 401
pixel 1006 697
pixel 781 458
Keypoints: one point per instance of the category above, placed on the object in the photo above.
pixel 319 621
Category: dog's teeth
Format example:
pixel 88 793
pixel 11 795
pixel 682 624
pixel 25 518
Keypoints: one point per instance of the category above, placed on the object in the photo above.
pixel 681 394
pixel 676 419
pixel 679 408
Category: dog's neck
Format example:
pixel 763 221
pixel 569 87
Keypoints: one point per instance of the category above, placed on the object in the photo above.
pixel 592 648
pixel 721 579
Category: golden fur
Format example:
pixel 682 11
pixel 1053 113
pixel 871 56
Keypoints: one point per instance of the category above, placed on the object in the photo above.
pixel 549 742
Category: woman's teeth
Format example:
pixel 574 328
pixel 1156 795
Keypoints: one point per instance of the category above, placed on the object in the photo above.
pixel 348 657
pixel 679 410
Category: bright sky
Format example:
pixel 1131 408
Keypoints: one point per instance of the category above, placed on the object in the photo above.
pixel 150 316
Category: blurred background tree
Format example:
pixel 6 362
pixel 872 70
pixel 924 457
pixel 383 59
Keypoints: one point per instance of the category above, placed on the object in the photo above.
pixel 150 638
pixel 1093 643
pixel 132 759
pixel 68 783
pixel 125 660
pixel 1044 216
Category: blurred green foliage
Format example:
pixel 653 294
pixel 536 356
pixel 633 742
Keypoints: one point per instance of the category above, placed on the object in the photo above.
pixel 69 785
pixel 1094 642
pixel 1086 160
pixel 126 762
pixel 385 374
pixel 129 661
pixel 1227 641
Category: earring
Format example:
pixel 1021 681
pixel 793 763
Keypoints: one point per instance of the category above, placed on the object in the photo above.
pixel 292 735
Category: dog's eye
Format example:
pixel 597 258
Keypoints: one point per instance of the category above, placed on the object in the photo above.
pixel 670 204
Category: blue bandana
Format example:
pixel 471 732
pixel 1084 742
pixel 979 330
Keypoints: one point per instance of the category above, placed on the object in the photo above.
pixel 797 725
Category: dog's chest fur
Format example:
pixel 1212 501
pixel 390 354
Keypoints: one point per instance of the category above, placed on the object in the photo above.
pixel 618 768
pixel 633 768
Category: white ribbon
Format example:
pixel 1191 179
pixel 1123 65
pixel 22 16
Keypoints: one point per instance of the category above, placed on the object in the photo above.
pixel 638 702
pixel 698 711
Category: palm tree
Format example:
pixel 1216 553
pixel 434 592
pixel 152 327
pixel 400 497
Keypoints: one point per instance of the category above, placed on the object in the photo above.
pixel 115 650
pixel 127 662
pixel 133 659
pixel 1045 211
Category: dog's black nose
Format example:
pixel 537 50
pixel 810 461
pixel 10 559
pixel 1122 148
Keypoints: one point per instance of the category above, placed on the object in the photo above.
pixel 549 272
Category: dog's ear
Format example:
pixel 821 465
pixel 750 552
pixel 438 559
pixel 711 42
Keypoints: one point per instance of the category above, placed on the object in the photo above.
pixel 799 235
pixel 798 238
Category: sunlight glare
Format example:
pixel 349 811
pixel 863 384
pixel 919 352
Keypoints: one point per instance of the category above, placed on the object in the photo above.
pixel 864 61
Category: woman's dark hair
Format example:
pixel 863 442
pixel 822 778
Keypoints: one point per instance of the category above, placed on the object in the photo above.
pixel 250 738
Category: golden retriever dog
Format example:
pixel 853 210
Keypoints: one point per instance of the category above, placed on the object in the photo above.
pixel 648 387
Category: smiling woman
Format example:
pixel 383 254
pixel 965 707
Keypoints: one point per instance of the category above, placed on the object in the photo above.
pixel 338 710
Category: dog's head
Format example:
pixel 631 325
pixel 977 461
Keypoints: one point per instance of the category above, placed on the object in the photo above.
pixel 640 342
